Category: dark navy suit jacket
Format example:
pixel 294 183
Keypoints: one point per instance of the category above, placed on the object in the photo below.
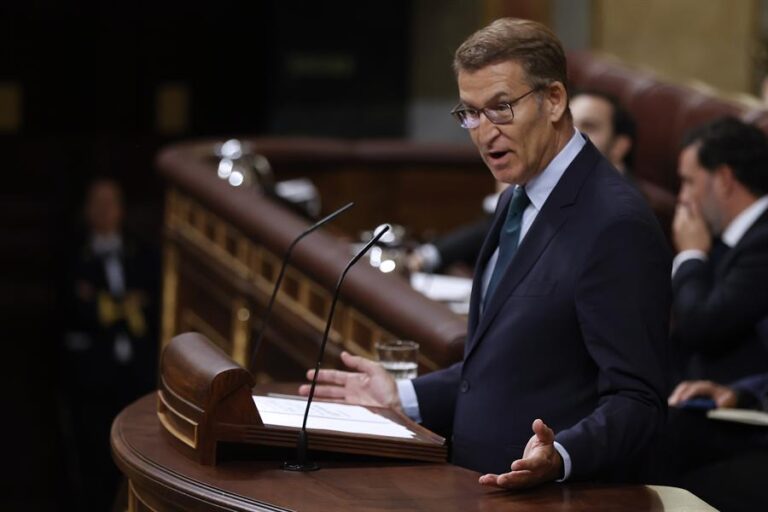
pixel 756 389
pixel 575 334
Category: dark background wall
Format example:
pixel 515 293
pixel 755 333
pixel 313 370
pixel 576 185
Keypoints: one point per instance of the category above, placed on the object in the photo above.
pixel 95 89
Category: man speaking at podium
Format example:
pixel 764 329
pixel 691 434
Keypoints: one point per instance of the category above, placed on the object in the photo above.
pixel 564 366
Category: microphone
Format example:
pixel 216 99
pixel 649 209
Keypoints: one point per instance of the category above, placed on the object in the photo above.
pixel 301 463
pixel 286 258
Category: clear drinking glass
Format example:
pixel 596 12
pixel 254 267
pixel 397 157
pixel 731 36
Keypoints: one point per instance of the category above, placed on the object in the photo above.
pixel 399 358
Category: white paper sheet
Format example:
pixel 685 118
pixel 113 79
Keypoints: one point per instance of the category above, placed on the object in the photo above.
pixel 441 287
pixel 288 412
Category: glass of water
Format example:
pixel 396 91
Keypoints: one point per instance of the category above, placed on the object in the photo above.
pixel 399 358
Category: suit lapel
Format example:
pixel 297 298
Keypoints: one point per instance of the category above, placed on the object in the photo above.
pixel 553 214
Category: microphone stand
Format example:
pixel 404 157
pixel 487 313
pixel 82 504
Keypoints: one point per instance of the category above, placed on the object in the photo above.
pixel 302 463
pixel 286 258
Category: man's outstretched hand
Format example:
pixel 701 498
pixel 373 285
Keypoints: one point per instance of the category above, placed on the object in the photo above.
pixel 541 462
pixel 369 383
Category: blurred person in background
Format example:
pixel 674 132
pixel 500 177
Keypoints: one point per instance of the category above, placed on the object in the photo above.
pixel 110 345
pixel 460 246
pixel 608 125
pixel 721 236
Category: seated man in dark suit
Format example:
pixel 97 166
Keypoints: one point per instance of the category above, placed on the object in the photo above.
pixel 720 290
pixel 562 339
pixel 461 246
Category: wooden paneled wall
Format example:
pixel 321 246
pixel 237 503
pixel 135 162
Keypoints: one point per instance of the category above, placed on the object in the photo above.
pixel 715 41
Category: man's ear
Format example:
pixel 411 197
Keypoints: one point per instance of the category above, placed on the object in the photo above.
pixel 619 149
pixel 724 179
pixel 556 101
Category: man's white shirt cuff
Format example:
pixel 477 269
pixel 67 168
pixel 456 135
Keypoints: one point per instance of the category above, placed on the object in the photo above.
pixel 408 399
pixel 683 256
pixel 566 461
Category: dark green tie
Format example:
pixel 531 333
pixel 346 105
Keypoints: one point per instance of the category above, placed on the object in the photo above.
pixel 509 237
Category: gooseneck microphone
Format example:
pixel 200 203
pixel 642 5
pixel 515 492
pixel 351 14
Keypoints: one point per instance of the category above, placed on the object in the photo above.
pixel 286 259
pixel 301 463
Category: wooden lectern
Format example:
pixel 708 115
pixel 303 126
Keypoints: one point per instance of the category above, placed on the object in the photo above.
pixel 161 479
pixel 205 398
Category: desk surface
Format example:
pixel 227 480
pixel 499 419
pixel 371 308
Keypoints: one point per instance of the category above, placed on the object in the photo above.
pixel 162 479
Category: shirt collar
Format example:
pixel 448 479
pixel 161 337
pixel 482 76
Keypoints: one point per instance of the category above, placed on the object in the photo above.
pixel 106 244
pixel 541 185
pixel 743 221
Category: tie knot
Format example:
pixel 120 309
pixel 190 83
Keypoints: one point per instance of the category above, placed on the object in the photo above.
pixel 519 201
pixel 517 205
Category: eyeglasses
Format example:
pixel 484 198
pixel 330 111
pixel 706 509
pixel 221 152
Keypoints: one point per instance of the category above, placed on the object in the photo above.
pixel 502 113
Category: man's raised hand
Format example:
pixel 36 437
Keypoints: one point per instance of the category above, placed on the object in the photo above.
pixel 541 462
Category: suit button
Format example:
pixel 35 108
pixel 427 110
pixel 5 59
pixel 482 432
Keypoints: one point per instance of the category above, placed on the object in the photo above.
pixel 464 386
